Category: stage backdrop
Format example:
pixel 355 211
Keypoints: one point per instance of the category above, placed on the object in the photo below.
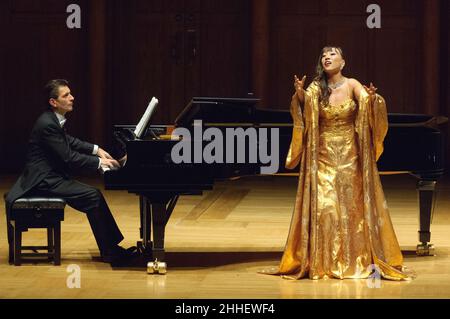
pixel 128 51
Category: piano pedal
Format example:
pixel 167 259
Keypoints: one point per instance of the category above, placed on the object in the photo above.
pixel 425 249
pixel 156 267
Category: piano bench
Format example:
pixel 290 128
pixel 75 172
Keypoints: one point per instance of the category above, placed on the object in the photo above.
pixel 35 212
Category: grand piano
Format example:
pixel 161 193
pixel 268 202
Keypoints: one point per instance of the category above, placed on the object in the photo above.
pixel 414 144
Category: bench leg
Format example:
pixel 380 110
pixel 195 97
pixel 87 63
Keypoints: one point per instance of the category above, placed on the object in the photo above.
pixel 17 246
pixel 10 243
pixel 50 243
pixel 57 244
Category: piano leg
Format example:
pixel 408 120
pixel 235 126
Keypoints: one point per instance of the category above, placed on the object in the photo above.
pixel 146 230
pixel 156 209
pixel 425 191
pixel 161 210
pixel 141 212
pixel 159 221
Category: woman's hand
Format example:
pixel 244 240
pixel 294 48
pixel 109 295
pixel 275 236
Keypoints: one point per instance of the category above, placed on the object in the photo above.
pixel 298 85
pixel 371 91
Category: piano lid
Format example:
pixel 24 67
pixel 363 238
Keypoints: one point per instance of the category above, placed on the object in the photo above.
pixel 217 110
pixel 242 111
pixel 415 120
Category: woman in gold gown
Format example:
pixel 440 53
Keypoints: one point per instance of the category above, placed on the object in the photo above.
pixel 340 226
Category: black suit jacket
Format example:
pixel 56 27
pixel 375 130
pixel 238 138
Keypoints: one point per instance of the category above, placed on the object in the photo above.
pixel 51 152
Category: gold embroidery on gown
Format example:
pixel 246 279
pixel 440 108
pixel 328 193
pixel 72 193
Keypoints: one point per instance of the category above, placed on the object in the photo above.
pixel 340 226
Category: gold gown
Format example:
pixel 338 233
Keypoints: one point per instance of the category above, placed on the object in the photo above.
pixel 340 226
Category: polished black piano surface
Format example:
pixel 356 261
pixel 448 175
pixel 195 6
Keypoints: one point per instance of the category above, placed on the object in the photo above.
pixel 414 144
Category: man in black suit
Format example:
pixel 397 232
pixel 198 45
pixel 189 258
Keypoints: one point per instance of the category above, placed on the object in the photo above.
pixel 52 154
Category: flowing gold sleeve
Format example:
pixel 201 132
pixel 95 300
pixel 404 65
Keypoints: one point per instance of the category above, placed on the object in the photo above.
pixel 378 121
pixel 295 149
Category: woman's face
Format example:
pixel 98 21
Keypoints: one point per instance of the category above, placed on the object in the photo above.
pixel 332 61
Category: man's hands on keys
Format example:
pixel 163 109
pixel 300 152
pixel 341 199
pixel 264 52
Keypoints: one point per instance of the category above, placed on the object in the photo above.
pixel 108 164
pixel 103 154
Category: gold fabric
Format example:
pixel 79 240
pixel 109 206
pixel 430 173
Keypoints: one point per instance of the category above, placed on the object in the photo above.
pixel 340 226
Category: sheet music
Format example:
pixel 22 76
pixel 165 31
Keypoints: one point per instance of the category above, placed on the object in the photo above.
pixel 140 128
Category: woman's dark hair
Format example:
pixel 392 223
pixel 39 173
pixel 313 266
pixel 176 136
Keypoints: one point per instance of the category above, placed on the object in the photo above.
pixel 51 89
pixel 321 76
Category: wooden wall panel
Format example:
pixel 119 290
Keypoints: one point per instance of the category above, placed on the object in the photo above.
pixel 138 47
pixel 385 56
pixel 3 25
pixel 445 75
pixel 397 71
pixel 285 8
pixel 345 8
pixel 445 54
pixel 153 6
pixel 174 51
pixel 395 8
pixel 290 52
pixel 224 56
pixel 40 8
pixel 38 46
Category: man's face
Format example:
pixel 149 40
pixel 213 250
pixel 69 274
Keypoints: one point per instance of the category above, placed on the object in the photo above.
pixel 64 102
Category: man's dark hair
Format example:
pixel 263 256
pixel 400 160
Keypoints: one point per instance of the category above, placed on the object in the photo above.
pixel 51 89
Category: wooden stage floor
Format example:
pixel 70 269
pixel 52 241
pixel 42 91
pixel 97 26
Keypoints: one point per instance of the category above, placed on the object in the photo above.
pixel 216 243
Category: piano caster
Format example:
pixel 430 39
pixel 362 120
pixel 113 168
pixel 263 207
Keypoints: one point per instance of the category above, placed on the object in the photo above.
pixel 156 267
pixel 425 249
